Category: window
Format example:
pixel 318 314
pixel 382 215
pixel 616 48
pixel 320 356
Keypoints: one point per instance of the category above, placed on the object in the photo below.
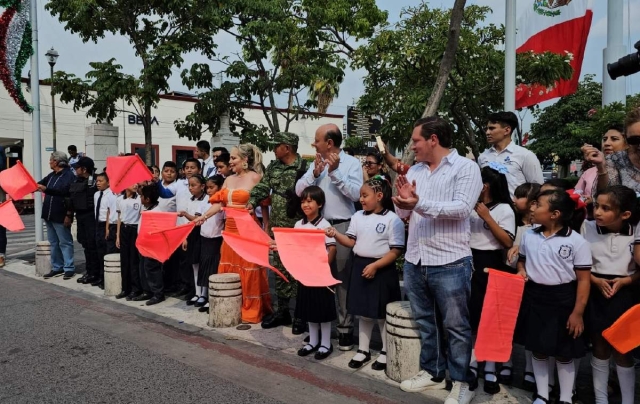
pixel 181 153
pixel 138 149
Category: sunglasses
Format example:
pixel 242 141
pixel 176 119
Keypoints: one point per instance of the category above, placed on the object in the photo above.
pixel 369 164
pixel 633 140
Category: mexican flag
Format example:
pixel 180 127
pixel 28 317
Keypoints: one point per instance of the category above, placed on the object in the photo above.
pixel 558 26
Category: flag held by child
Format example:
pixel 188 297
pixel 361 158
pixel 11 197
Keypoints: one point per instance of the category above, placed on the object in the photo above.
pixel 624 334
pixel 499 316
pixel 125 171
pixel 17 182
pixel 251 249
pixel 9 217
pixel 159 237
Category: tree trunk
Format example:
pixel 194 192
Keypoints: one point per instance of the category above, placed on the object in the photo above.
pixel 446 65
pixel 148 148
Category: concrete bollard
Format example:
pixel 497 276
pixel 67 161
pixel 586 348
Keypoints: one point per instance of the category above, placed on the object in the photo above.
pixel 43 258
pixel 403 342
pixel 112 277
pixel 225 300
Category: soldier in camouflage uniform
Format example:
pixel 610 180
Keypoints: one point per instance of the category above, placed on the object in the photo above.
pixel 279 182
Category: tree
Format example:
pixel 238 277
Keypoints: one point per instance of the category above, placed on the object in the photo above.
pixel 160 32
pixel 401 63
pixel 562 128
pixel 287 47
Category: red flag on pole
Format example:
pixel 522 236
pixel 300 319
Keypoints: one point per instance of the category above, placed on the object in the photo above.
pixel 624 334
pixel 159 237
pixel 17 182
pixel 124 171
pixel 251 249
pixel 9 217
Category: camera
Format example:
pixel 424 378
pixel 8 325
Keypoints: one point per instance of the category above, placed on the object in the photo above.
pixel 626 65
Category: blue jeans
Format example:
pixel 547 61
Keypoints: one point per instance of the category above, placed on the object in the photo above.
pixel 439 297
pixel 61 246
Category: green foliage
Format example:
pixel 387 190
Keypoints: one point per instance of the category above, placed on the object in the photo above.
pixel 355 143
pixel 402 65
pixel 160 32
pixel 287 47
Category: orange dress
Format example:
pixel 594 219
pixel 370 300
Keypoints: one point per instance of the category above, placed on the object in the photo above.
pixel 256 300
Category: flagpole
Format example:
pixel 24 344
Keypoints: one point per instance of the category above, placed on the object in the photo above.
pixel 614 90
pixel 510 58
pixel 35 120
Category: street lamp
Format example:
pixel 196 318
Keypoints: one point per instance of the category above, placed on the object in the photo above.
pixel 52 57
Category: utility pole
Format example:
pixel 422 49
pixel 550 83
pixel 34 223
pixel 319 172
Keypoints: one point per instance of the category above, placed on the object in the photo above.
pixel 35 120
pixel 613 90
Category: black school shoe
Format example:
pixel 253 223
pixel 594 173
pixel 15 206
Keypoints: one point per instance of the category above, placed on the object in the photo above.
pixel 122 295
pixel 491 387
pixel 155 300
pixel 142 297
pixel 53 274
pixel 354 364
pixel 379 365
pixel 323 355
pixel 307 349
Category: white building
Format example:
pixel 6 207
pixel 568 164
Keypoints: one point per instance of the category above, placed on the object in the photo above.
pixel 15 129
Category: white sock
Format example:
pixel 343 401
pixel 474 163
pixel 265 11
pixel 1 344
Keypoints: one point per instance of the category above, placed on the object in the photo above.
pixel 205 292
pixel 490 367
pixel 506 368
pixel 541 371
pixel 195 298
pixel 195 277
pixel 473 363
pixel 365 326
pixel 383 334
pixel 576 363
pixel 566 377
pixel 551 362
pixel 528 359
pixel 314 328
pixel 627 379
pixel 325 333
pixel 600 376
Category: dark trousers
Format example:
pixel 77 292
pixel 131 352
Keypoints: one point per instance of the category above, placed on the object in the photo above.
pixel 171 269
pixel 152 273
pixel 104 245
pixel 3 240
pixel 87 238
pixel 186 271
pixel 129 259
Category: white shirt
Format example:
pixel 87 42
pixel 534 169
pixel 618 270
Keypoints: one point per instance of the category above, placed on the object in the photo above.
pixel 481 237
pixel 341 186
pixel 214 225
pixel 108 201
pixel 318 223
pixel 129 209
pixel 167 204
pixel 612 253
pixel 439 231
pixel 554 260
pixel 208 167
pixel 522 164
pixel 180 188
pixel 376 233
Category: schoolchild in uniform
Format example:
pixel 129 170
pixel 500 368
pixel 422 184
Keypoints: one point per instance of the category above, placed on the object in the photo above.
pixel 555 262
pixel 613 279
pixel 210 239
pixel 151 278
pixel 493 225
pixel 316 305
pixel 128 207
pixel 192 244
pixel 222 165
pixel 377 237
pixel 171 267
pixel 104 202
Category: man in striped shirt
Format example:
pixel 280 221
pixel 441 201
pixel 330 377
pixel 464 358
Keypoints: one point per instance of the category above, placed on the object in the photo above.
pixel 439 193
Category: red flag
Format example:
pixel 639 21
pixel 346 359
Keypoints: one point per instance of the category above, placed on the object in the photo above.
pixel 562 28
pixel 17 182
pixel 499 315
pixel 124 171
pixel 624 334
pixel 251 249
pixel 9 217
pixel 159 237
pixel 304 253
pixel 247 226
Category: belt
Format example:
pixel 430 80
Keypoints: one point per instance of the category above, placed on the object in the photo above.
pixel 333 222
pixel 130 225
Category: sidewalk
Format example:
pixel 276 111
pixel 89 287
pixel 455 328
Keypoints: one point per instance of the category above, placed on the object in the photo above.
pixel 279 339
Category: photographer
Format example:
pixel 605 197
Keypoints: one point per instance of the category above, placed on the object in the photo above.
pixel 279 181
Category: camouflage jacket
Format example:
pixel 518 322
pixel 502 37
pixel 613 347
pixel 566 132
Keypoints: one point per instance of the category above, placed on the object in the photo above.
pixel 279 180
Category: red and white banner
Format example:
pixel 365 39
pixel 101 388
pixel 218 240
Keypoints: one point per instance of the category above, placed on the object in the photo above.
pixel 558 26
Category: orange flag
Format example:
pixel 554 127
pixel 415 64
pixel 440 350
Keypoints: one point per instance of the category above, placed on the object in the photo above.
pixel 499 315
pixel 304 253
pixel 124 171
pixel 624 334
pixel 9 217
pixel 159 237
pixel 246 225
pixel 251 249
pixel 17 182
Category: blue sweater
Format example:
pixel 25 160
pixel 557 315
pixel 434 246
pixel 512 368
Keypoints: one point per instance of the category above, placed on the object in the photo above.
pixel 54 208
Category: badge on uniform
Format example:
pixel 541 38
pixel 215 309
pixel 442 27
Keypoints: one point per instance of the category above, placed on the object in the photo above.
pixel 380 228
pixel 565 251
pixel 136 206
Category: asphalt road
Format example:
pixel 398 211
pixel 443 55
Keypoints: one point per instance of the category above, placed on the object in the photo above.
pixel 61 346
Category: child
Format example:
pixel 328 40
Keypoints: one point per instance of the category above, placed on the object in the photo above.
pixel 493 225
pixel 316 305
pixel 104 202
pixel 555 261
pixel 128 207
pixel 150 269
pixel 222 165
pixel 192 244
pixel 171 268
pixel 612 240
pixel 210 240
pixel 376 235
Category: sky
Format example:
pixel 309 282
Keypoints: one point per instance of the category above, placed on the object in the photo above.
pixel 76 55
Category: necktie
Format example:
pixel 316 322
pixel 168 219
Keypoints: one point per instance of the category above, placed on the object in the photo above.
pixel 98 207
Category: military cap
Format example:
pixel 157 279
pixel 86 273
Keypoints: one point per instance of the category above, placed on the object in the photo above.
pixel 284 138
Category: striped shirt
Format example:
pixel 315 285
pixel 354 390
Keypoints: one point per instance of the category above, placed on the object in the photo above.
pixel 439 230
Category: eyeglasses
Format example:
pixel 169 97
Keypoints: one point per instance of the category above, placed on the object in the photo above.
pixel 369 164
pixel 633 140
